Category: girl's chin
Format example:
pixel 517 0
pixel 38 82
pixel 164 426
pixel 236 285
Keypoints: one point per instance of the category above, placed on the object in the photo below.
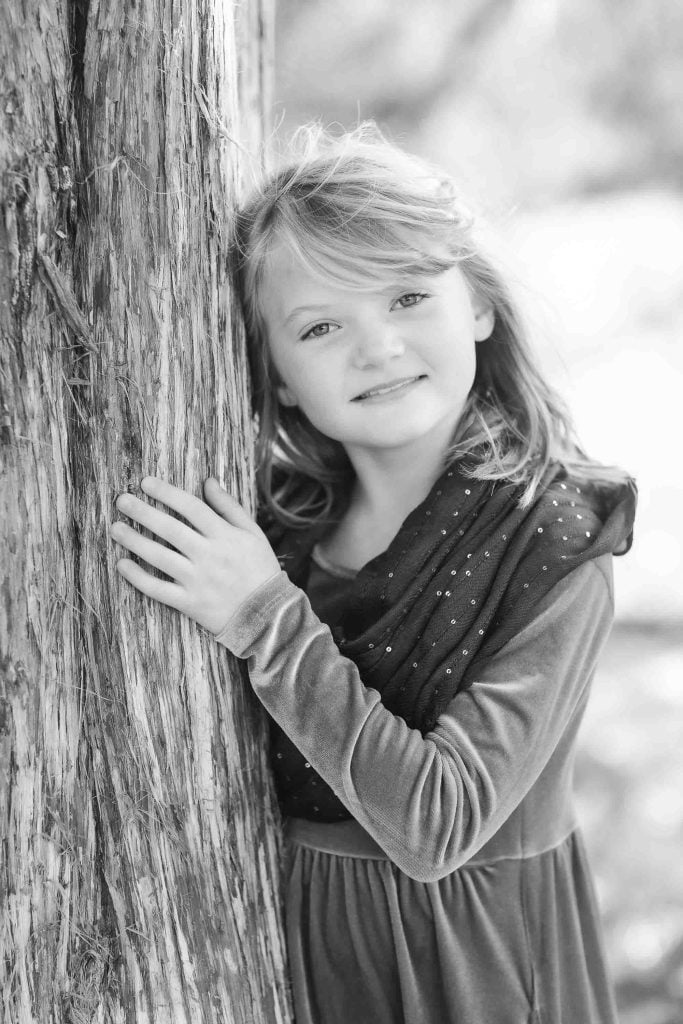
pixel 393 426
pixel 398 435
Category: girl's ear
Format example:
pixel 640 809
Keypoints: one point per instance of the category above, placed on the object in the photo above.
pixel 484 319
pixel 285 396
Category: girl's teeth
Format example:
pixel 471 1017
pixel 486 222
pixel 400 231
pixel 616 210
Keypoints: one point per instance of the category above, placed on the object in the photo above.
pixel 385 391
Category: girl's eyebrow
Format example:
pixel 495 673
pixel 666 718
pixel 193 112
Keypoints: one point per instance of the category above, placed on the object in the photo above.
pixel 303 309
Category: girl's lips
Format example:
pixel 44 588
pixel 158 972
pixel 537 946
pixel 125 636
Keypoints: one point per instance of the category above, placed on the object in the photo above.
pixel 391 388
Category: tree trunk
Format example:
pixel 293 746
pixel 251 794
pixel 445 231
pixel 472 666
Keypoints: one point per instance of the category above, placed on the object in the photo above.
pixel 140 849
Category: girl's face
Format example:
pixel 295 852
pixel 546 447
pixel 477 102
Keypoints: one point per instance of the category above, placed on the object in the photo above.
pixel 380 368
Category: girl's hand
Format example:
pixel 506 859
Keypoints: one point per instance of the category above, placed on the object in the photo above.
pixel 216 566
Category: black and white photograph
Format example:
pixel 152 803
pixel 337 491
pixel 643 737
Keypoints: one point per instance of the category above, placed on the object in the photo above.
pixel 341 631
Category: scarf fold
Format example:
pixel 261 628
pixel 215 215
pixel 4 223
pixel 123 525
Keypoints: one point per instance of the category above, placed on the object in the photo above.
pixel 463 575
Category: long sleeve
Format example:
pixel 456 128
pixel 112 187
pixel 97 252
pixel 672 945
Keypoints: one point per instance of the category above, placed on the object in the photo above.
pixel 430 802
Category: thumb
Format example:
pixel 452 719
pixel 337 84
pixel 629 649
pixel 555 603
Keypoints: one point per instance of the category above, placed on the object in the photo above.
pixel 226 506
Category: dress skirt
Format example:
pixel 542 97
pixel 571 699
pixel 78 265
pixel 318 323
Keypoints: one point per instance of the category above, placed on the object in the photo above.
pixel 501 940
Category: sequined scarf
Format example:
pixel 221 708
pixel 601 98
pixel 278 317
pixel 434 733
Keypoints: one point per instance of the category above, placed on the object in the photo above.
pixel 462 577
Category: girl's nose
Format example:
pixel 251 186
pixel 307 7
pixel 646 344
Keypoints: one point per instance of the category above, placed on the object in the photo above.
pixel 377 344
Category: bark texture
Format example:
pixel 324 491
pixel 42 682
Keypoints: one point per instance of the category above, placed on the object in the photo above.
pixel 140 850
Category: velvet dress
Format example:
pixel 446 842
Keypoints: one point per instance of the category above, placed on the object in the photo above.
pixel 458 891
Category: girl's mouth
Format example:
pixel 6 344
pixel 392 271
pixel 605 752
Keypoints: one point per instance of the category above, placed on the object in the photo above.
pixel 392 386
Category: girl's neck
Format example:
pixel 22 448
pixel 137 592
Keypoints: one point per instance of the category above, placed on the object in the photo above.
pixel 389 485
pixel 388 493
pixel 391 482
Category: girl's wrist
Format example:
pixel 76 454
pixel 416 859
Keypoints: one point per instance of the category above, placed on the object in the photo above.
pixel 244 619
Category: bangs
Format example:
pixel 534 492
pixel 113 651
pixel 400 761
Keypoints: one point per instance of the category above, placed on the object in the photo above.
pixel 359 224
pixel 362 254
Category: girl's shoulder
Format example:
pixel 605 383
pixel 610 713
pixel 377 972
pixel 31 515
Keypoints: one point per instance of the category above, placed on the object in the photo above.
pixel 574 516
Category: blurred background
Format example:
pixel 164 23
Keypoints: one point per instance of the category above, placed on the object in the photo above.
pixel 563 122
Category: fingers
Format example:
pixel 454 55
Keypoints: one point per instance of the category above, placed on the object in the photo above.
pixel 190 508
pixel 226 506
pixel 202 515
pixel 155 554
pixel 158 522
pixel 159 590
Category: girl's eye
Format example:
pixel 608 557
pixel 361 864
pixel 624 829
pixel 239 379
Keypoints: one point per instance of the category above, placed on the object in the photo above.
pixel 318 331
pixel 410 299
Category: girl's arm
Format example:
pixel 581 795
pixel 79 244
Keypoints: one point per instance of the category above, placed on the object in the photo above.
pixel 430 802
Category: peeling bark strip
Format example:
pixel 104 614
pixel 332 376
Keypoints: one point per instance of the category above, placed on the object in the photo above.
pixel 139 850
pixel 63 298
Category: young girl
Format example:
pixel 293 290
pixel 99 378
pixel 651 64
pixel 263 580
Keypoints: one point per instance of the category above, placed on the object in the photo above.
pixel 425 652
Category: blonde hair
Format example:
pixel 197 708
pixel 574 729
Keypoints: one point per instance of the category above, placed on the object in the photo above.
pixel 355 209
